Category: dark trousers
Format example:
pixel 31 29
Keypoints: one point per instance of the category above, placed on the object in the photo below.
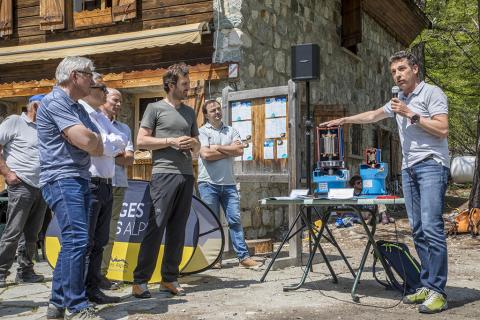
pixel 99 216
pixel 25 214
pixel 172 197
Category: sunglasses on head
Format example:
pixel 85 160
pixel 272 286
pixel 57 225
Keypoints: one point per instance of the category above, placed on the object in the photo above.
pixel 100 86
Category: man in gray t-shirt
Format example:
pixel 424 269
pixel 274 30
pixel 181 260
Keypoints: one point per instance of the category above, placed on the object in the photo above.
pixel 216 183
pixel 20 166
pixel 169 129
pixel 421 113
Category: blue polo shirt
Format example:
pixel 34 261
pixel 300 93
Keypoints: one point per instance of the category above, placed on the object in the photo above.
pixel 58 158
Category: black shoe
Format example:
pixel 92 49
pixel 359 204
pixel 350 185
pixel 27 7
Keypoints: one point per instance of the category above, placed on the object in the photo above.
pixel 30 277
pixel 99 297
pixel 106 284
pixel 53 312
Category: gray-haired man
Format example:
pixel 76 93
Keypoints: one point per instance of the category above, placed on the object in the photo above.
pixel 67 137
pixel 19 164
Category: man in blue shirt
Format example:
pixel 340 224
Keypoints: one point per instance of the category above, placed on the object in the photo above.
pixel 67 137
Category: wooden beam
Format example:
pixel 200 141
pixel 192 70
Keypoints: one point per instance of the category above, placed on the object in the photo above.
pixel 123 80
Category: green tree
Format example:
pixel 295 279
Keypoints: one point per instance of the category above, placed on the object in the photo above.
pixel 452 61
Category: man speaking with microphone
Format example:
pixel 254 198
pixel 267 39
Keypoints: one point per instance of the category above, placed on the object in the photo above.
pixel 421 113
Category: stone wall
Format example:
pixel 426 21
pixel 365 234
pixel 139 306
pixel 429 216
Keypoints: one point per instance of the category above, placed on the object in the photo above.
pixel 259 35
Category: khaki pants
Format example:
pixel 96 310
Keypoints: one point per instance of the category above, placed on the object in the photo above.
pixel 118 195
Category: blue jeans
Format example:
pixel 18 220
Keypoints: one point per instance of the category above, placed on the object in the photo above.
pixel 215 195
pixel 424 187
pixel 69 199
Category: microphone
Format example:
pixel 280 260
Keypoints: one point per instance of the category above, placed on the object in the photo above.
pixel 395 91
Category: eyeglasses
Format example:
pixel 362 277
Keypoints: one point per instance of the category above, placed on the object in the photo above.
pixel 101 87
pixel 88 73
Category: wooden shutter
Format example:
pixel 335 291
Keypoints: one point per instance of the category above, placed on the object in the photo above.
pixel 6 17
pixel 124 9
pixel 196 98
pixel 52 14
pixel 351 22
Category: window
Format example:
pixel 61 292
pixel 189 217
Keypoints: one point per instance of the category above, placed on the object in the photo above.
pixel 351 24
pixel 100 12
pixel 89 5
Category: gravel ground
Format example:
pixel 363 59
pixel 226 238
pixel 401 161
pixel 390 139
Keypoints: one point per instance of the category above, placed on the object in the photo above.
pixel 235 293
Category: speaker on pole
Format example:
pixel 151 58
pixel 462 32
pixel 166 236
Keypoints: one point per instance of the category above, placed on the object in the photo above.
pixel 305 62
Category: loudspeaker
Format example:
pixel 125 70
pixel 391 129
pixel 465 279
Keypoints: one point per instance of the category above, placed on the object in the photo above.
pixel 305 62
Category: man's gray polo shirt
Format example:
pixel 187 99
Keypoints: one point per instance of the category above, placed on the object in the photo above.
pixel 18 136
pixel 120 178
pixel 217 171
pixel 58 158
pixel 417 144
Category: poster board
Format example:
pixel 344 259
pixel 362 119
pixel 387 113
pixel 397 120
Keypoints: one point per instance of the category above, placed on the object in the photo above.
pixel 261 118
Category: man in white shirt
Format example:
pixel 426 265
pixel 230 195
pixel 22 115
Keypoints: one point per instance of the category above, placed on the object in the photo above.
pixel 120 181
pixel 102 169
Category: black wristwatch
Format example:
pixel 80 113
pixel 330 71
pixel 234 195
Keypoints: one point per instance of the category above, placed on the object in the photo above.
pixel 415 118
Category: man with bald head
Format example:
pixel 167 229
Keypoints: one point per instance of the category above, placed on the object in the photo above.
pixel 111 108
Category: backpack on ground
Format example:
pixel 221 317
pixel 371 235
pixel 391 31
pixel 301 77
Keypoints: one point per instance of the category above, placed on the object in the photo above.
pixel 401 263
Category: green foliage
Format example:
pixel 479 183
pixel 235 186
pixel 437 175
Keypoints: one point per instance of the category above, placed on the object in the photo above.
pixel 452 61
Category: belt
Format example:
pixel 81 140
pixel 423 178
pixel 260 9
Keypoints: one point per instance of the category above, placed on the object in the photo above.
pixel 98 180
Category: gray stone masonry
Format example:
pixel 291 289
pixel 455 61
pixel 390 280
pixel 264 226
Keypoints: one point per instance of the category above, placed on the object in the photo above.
pixel 259 35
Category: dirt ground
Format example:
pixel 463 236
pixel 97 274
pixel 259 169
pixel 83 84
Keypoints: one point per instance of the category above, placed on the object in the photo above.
pixel 234 293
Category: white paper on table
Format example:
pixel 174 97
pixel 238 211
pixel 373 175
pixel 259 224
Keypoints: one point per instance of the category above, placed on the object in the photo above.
pixel 244 128
pixel 275 127
pixel 268 150
pixel 275 107
pixel 241 110
pixel 282 152
pixel 340 193
pixel 294 194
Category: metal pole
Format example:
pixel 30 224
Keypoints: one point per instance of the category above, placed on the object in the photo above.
pixel 308 154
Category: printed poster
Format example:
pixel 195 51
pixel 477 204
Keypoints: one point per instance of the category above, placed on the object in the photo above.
pixel 282 152
pixel 244 129
pixel 241 110
pixel 268 150
pixel 275 107
pixel 275 128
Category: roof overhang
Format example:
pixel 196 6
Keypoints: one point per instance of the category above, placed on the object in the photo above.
pixel 401 18
pixel 123 80
pixel 190 33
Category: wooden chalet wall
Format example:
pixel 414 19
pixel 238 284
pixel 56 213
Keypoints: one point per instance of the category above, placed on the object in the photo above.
pixel 150 14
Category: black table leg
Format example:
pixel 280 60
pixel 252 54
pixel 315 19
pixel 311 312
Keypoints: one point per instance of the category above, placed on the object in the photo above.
pixel 371 242
pixel 316 246
pixel 285 239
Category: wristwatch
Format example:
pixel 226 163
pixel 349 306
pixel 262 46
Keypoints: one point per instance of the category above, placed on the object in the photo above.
pixel 415 118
